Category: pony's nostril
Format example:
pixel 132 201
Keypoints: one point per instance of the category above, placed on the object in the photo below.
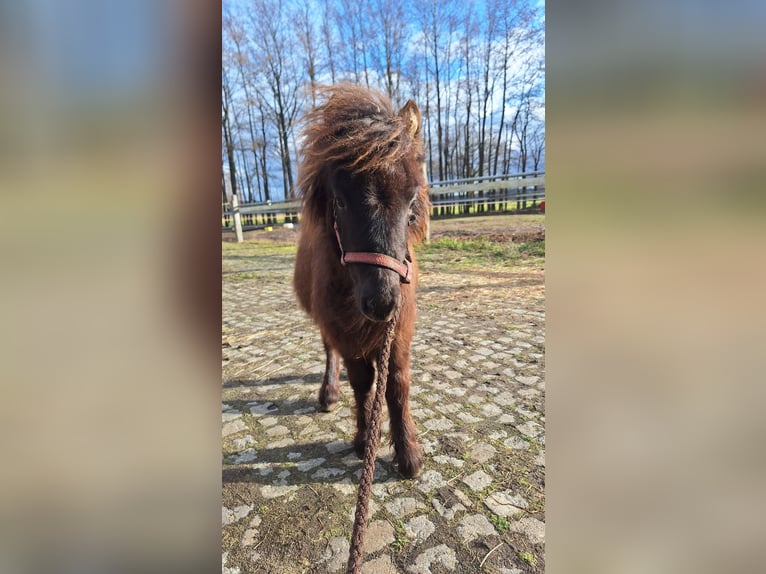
pixel 378 309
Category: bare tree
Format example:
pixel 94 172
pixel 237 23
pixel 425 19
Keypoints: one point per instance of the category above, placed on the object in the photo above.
pixel 389 40
pixel 307 36
pixel 327 39
pixel 475 68
pixel 271 37
pixel 228 137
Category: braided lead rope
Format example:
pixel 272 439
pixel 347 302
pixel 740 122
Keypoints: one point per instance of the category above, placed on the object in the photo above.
pixel 356 552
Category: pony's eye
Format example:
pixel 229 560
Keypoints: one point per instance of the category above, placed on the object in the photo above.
pixel 340 203
pixel 412 218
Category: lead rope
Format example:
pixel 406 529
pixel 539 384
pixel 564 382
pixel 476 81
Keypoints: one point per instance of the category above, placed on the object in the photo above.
pixel 356 552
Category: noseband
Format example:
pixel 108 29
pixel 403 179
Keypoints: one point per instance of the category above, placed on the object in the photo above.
pixel 402 268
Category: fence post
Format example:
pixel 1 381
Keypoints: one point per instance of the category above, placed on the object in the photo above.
pixel 237 218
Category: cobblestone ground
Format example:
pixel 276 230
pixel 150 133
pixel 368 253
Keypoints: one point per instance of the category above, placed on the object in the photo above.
pixel 290 474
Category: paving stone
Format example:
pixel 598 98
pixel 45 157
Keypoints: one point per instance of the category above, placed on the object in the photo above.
pixel 380 490
pixel 244 442
pixel 528 380
pixel 526 413
pixel 516 443
pixel 337 446
pixel 233 427
pixel 281 443
pixel 481 452
pixel 294 455
pixel 277 430
pixel 309 430
pixel 474 525
pixel 429 481
pixel 380 565
pixel 229 516
pixel 401 507
pixel 506 419
pixel 324 473
pixel 468 418
pixel 345 487
pixel 450 408
pixel 268 421
pixel 228 569
pixel 532 528
pixel 249 537
pixel 447 512
pixel 380 534
pixel 262 408
pixel 451 460
pixel 336 554
pixel 429 446
pixel 441 424
pixel 263 468
pixel 272 491
pixel 529 393
pixel 478 481
pixel 419 528
pixel 497 435
pixel 505 503
pixel 530 428
pixel 441 555
pixel 230 416
pixel 246 456
pixel 307 465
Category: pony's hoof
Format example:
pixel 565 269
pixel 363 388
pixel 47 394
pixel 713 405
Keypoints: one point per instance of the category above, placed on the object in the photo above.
pixel 410 463
pixel 327 407
pixel 359 446
pixel 328 400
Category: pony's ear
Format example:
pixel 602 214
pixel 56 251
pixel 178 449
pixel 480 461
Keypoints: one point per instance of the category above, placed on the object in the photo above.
pixel 410 114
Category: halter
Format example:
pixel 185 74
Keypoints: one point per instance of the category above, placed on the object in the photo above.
pixel 403 269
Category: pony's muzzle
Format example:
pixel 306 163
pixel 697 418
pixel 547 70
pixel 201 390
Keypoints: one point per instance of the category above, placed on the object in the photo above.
pixel 378 298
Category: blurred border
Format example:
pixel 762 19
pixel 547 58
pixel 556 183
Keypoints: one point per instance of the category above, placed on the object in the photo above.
pixel 110 297
pixel 655 274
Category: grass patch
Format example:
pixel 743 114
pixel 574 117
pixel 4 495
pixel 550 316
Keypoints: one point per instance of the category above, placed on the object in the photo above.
pixel 333 533
pixel 500 523
pixel 257 248
pixel 479 251
pixel 529 558
pixel 400 538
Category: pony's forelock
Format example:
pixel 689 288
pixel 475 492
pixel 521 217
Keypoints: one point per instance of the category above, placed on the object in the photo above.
pixel 354 128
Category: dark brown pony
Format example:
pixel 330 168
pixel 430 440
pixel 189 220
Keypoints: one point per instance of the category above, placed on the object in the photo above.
pixel 364 194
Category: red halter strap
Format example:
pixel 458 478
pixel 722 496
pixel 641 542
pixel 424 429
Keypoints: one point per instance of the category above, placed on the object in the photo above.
pixel 403 268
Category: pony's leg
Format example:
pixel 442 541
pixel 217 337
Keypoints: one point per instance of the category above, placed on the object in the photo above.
pixel 404 434
pixel 329 391
pixel 361 375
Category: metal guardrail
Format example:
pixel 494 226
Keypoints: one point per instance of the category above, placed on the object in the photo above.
pixel 466 192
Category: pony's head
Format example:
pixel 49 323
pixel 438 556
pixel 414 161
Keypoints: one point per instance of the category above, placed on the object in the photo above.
pixel 362 180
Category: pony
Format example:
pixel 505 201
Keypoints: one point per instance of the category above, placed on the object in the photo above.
pixel 365 204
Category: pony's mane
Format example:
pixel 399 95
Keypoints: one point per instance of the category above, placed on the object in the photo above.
pixel 355 128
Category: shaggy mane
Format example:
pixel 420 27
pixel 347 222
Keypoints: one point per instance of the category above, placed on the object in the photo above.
pixel 358 129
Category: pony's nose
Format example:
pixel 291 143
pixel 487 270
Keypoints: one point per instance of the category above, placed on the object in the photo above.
pixel 379 307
